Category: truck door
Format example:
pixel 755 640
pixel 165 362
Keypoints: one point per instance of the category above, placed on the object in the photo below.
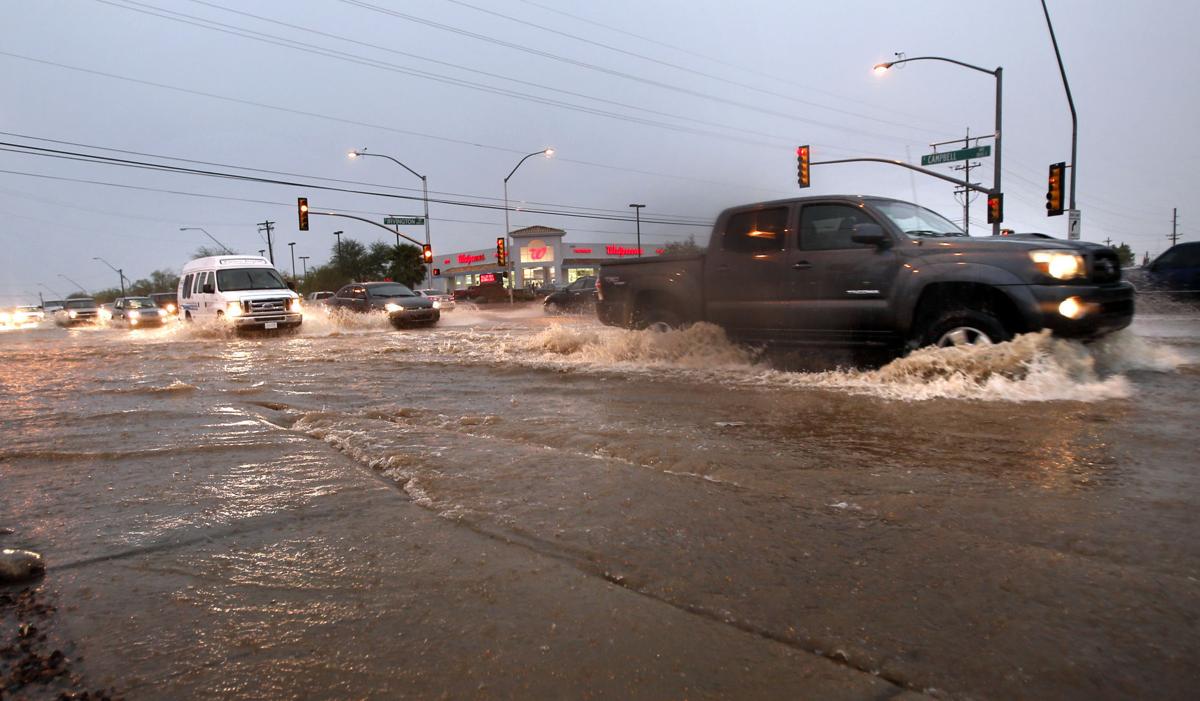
pixel 839 289
pixel 743 277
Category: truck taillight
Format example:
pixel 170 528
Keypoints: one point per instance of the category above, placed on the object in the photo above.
pixel 599 291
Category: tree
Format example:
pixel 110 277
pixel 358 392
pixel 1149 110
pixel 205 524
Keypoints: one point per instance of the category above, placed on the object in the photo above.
pixel 688 247
pixel 1125 254
pixel 401 263
pixel 206 252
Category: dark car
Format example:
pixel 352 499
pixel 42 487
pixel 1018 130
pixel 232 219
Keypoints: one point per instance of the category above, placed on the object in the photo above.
pixel 166 301
pixel 137 312
pixel 403 306
pixel 1176 271
pixel 80 310
pixel 579 295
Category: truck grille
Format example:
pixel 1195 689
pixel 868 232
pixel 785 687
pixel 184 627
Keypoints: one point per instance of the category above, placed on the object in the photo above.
pixel 1106 267
pixel 266 306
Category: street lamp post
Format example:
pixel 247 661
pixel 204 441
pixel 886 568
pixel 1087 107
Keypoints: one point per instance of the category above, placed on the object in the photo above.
pixel 115 269
pixel 637 210
pixel 196 228
pixel 292 245
pixel 547 152
pixel 338 234
pixel 79 287
pixel 998 74
pixel 358 153
pixel 304 263
pixel 57 295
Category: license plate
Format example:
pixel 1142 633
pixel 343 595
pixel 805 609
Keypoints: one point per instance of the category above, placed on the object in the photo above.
pixel 271 325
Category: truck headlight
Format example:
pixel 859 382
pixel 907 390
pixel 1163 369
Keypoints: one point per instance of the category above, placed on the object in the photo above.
pixel 392 307
pixel 295 306
pixel 170 308
pixel 233 309
pixel 72 313
pixel 1060 265
pixel 135 315
pixel 162 312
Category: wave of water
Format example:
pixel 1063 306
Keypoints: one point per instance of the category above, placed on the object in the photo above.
pixel 1031 367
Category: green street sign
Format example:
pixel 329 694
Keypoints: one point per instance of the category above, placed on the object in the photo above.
pixel 403 221
pixel 962 154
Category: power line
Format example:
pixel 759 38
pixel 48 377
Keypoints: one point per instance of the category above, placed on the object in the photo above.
pixel 343 120
pixel 144 165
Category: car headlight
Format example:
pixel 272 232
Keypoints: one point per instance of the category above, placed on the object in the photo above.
pixel 296 305
pixel 233 309
pixel 4 317
pixel 392 307
pixel 170 308
pixel 72 313
pixel 162 312
pixel 134 315
pixel 437 304
pixel 1060 265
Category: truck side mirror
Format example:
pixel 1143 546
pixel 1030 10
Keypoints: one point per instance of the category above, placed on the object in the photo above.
pixel 207 289
pixel 870 234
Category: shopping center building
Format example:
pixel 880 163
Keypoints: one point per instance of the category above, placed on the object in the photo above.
pixel 540 258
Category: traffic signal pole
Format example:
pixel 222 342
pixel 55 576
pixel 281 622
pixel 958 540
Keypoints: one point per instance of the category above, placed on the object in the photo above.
pixel 1070 103
pixel 919 169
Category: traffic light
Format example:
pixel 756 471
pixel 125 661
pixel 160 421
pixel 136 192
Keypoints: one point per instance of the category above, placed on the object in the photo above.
pixel 427 254
pixel 802 165
pixel 437 272
pixel 1054 193
pixel 302 210
pixel 501 251
pixel 995 208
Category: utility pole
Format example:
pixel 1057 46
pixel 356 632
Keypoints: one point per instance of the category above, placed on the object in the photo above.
pixel 267 227
pixel 637 209
pixel 967 195
pixel 292 245
pixel 1174 226
pixel 1108 242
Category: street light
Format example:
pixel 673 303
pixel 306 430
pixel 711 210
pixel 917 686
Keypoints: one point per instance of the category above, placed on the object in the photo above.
pixel 115 269
pixel 57 295
pixel 998 74
pixel 548 153
pixel 196 228
pixel 362 152
pixel 637 210
pixel 292 245
pixel 304 262
pixel 338 234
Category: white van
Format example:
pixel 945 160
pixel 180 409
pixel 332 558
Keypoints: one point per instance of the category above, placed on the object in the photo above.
pixel 245 291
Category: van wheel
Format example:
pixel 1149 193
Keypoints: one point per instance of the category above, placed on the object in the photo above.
pixel 187 316
pixel 963 327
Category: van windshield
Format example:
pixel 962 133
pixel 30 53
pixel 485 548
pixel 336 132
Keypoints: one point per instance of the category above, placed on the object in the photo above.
pixel 249 279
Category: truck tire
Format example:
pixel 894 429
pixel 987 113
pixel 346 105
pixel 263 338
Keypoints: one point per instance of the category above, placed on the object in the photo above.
pixel 961 327
pixel 657 319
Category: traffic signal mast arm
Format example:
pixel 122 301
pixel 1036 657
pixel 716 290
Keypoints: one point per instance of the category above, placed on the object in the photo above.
pixel 919 169
pixel 419 244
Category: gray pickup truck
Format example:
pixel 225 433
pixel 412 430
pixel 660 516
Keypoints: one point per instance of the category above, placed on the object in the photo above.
pixel 853 271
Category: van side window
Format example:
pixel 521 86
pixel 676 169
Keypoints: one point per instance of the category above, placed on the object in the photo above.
pixel 757 231
pixel 825 227
pixel 187 286
pixel 201 281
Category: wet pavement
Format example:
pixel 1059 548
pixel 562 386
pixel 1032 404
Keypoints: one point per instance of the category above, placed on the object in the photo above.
pixel 517 506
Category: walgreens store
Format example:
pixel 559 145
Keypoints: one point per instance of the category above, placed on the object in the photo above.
pixel 540 258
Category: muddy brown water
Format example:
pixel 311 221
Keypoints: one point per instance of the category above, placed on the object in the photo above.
pixel 510 505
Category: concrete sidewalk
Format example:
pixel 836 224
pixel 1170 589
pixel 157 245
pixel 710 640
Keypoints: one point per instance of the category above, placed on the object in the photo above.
pixel 354 591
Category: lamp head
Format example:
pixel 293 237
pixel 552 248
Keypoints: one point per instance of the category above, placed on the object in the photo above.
pixel 356 153
pixel 549 152
pixel 881 68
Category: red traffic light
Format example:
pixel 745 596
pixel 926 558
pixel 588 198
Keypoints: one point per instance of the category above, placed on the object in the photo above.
pixel 501 251
pixel 427 253
pixel 995 208
pixel 802 154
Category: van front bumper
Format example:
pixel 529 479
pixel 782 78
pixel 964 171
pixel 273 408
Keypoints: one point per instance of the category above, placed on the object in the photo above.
pixel 260 321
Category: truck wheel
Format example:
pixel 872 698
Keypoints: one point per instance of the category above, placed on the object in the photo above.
pixel 963 327
pixel 657 319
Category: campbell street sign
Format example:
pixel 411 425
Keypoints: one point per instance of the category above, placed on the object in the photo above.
pixel 962 154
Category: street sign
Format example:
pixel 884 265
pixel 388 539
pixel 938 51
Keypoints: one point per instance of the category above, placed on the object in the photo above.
pixel 1073 228
pixel 963 154
pixel 403 221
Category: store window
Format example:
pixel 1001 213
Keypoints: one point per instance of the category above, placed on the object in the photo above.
pixel 574 274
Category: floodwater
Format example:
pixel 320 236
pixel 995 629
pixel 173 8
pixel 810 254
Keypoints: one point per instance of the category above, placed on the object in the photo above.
pixel 510 505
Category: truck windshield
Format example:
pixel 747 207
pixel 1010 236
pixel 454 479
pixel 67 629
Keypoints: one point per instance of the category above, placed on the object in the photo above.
pixel 249 279
pixel 915 220
pixel 79 304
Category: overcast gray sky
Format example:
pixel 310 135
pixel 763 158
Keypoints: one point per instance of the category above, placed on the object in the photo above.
pixel 686 106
